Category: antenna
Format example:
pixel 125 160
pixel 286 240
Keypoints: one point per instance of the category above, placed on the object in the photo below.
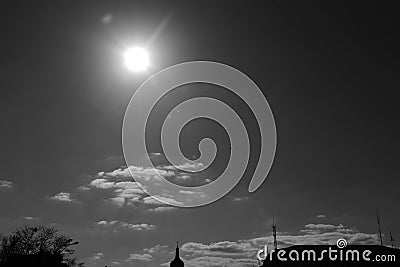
pixel 391 239
pixel 274 233
pixel 379 227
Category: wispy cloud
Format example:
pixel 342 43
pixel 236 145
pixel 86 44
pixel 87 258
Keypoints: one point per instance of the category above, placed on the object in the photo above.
pixel 124 225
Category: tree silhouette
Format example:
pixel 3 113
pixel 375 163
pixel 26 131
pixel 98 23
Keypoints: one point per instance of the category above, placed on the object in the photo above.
pixel 37 246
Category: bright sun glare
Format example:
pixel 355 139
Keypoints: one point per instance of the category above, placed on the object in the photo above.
pixel 136 59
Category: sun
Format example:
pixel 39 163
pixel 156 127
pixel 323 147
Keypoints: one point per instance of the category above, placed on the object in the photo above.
pixel 136 59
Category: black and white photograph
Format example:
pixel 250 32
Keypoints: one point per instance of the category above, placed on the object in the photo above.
pixel 199 133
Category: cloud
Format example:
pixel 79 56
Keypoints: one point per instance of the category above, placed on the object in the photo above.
pixel 188 166
pixel 223 248
pixel 124 225
pixel 62 196
pixel 156 254
pixel 321 216
pixel 183 177
pixel 152 201
pixel 83 188
pixel 139 227
pixel 322 228
pixel 107 223
pixel 6 184
pixel 156 249
pixel 216 262
pixel 107 19
pixel 122 174
pixel 29 218
pixel 140 257
pixel 155 155
pixel 117 187
pixel 161 209
pixel 120 189
pixel 240 198
pixel 96 257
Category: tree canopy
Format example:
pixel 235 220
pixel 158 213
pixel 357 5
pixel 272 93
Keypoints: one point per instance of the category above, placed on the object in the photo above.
pixel 37 246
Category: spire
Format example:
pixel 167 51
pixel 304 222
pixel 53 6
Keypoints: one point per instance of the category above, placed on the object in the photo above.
pixel 177 250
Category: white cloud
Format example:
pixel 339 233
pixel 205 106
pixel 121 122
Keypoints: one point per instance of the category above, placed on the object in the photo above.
pixel 102 183
pixel 321 216
pixel 107 223
pixel 156 249
pixel 240 198
pixel 322 228
pixel 139 227
pixel 62 196
pixel 140 257
pixel 163 208
pixel 183 177
pixel 6 184
pixel 122 191
pixel 129 226
pixel 30 218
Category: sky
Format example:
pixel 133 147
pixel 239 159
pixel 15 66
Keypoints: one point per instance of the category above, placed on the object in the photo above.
pixel 327 71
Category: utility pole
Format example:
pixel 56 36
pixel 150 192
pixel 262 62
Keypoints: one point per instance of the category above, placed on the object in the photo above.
pixel 274 233
pixel 379 227
pixel 391 239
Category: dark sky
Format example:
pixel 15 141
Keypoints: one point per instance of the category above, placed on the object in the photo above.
pixel 327 70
